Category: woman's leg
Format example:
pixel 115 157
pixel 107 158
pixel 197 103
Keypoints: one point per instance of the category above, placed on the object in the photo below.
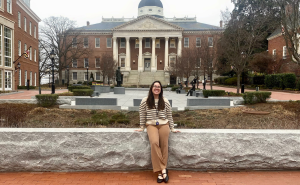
pixel 156 154
pixel 164 132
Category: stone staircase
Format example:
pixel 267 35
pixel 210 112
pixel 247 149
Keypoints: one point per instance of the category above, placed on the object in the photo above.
pixel 146 78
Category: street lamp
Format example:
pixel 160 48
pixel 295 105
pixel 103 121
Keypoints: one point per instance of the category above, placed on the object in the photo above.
pixel 52 56
pixel 243 54
pixel 87 74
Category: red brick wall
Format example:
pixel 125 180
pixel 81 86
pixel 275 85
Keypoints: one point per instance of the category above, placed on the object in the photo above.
pixel 276 43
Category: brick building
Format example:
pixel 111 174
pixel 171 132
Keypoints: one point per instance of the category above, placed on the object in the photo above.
pixel 18 31
pixel 144 47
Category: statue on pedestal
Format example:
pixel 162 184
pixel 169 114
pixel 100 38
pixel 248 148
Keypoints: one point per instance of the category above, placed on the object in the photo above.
pixel 118 77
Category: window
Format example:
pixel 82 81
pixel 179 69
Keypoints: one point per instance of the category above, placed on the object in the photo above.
pixel 34 32
pixel 97 62
pixel 157 43
pixel 86 42
pixel 86 62
pixel 74 63
pixel 172 61
pixel 210 41
pixel 7 47
pixel 122 43
pixel 25 27
pixel 0 44
pixel 9 8
pixel 19 48
pixel 25 47
pixel 25 78
pixel 274 54
pixel 172 43
pixel 0 76
pixel 35 55
pixel 284 52
pixel 30 28
pixel 198 42
pixel 186 42
pixel 74 43
pixel 34 79
pixel 85 76
pixel 147 43
pixel 30 54
pixel 198 64
pixel 122 62
pixel 19 19
pixel 20 77
pixel 97 42
pixel 137 43
pixel 108 42
pixel 30 78
pixel 97 76
pixel 74 76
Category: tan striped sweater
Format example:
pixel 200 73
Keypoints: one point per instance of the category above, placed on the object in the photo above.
pixel 149 116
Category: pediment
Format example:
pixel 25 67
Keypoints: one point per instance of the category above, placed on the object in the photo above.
pixel 147 23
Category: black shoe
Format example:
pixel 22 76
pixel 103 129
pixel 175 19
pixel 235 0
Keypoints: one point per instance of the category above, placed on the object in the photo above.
pixel 160 180
pixel 166 179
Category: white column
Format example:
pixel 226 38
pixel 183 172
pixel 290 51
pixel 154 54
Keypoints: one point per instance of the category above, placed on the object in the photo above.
pixel 115 49
pixel 166 52
pixel 127 62
pixel 140 65
pixel 179 51
pixel 153 59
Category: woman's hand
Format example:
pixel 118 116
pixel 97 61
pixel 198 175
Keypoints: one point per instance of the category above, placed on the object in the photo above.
pixel 139 130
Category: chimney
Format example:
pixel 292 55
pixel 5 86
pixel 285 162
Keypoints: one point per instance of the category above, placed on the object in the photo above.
pixel 221 24
pixel 88 23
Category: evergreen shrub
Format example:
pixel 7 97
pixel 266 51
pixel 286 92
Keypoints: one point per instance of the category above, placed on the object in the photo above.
pixel 82 92
pixel 46 100
pixel 207 93
pixel 256 97
pixel 71 88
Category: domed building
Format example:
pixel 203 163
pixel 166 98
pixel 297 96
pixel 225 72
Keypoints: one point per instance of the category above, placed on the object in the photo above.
pixel 144 47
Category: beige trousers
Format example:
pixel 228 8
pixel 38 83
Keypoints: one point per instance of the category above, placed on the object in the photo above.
pixel 158 137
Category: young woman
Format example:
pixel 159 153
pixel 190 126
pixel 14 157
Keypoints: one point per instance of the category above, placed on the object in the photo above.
pixel 156 116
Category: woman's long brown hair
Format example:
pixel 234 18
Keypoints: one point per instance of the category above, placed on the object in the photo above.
pixel 151 101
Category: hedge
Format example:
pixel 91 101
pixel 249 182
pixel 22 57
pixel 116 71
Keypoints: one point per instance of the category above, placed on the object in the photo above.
pixel 298 84
pixel 258 80
pixel 256 97
pixel 221 80
pixel 46 100
pixel 71 88
pixel 25 87
pixel 231 81
pixel 207 93
pixel 82 92
pixel 281 81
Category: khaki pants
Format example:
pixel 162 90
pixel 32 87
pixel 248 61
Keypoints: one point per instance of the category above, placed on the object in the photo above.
pixel 158 137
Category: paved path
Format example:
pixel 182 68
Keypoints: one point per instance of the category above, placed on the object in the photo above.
pixel 25 94
pixel 149 178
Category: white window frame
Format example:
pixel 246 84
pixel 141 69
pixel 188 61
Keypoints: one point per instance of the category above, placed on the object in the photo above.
pixel 210 43
pixel 274 54
pixel 122 57
pixel 284 52
pixel 74 43
pixel 19 19
pixel 137 43
pixel 9 6
pixel 172 57
pixel 108 40
pixel 86 61
pixel 11 80
pixel 25 77
pixel 20 77
pixel 30 78
pixel 73 76
pixel 186 42
pixel 1 74
pixel 35 55
pixel 30 53
pixel 73 61
pixel 25 47
pixel 34 31
pixel 30 27
pixel 20 48
pixel 11 47
pixel 147 43
pixel 25 22
pixel 172 43
pixel 198 42
pixel 84 42
pixel 96 62
pixel 34 79
pixel 1 36
pixel 157 43
pixel 97 40
pixel 98 79
pixel 122 43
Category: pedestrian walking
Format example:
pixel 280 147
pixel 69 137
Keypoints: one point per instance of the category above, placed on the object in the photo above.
pixel 156 115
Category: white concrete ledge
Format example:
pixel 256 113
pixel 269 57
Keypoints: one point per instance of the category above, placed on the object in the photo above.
pixel 95 149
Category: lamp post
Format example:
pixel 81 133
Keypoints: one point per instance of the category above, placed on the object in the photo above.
pixel 52 56
pixel 243 82
pixel 87 74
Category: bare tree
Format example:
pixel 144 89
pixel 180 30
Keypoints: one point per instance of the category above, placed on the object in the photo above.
pixel 59 34
pixel 108 66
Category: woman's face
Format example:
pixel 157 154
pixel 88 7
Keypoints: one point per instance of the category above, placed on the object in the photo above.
pixel 156 89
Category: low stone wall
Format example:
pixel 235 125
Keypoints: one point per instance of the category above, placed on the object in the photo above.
pixel 97 149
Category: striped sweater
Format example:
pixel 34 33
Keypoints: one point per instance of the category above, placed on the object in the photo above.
pixel 149 116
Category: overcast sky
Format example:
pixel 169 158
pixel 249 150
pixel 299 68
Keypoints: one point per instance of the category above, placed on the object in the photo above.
pixel 208 12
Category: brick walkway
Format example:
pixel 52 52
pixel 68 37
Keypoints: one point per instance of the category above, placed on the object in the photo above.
pixel 147 178
pixel 24 94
